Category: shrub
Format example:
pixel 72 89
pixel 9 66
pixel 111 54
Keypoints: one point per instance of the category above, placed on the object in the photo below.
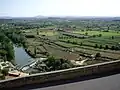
pixel 100 47
pixel 5 71
pixel 99 35
pixel 106 47
pixel 97 56
pixel 96 45
pixel 86 33
pixel 30 36
pixel 81 44
pixel 113 47
pixel 94 35
pixel 112 37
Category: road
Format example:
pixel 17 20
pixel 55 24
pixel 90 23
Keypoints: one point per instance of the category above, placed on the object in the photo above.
pixel 111 82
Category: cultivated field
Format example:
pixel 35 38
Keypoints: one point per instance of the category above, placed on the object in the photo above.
pixel 69 45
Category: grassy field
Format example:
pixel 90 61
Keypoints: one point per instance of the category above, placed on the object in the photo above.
pixel 48 33
pixel 110 33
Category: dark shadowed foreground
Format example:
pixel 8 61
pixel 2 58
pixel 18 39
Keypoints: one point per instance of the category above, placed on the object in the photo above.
pixel 109 81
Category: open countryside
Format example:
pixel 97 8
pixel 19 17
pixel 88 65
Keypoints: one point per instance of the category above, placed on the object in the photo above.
pixel 30 46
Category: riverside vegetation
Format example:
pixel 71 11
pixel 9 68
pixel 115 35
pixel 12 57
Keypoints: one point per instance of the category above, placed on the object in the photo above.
pixel 65 42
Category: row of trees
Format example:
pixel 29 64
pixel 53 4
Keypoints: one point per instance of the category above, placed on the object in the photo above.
pixel 7 50
pixel 113 47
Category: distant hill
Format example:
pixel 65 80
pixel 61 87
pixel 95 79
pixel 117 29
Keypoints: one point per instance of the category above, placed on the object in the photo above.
pixel 39 16
pixel 5 17
pixel 64 18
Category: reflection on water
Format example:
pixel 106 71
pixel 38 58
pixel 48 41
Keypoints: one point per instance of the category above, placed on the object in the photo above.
pixel 21 57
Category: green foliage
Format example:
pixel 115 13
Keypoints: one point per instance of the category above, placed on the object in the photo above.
pixel 113 47
pixel 100 47
pixel 5 71
pixel 112 37
pixel 65 66
pixel 2 76
pixel 97 56
pixel 86 33
pixel 94 35
pixel 3 52
pixel 106 47
pixel 99 35
pixel 57 64
pixel 7 48
pixel 10 51
pixel 37 32
pixel 96 45
pixel 81 44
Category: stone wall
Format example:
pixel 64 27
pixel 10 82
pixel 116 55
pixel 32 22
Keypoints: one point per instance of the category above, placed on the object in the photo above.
pixel 61 74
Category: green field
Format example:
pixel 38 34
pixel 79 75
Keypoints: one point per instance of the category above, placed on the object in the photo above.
pixel 110 33
pixel 88 44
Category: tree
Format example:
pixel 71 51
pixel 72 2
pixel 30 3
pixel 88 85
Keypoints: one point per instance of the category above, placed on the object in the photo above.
pixel 117 48
pixel 2 76
pixel 58 64
pixel 50 61
pixel 94 35
pixel 10 51
pixel 5 71
pixel 65 66
pixel 37 32
pixel 99 35
pixel 35 50
pixel 97 56
pixel 113 47
pixel 100 47
pixel 96 45
pixel 106 47
pixel 81 44
pixel 86 33
pixel 112 37
pixel 68 41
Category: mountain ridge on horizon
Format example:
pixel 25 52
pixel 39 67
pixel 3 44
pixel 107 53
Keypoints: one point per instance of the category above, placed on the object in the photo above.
pixel 42 16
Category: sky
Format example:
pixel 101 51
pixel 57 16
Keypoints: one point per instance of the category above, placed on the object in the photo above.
pixel 30 8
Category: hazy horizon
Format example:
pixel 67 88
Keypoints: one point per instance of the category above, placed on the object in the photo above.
pixel 78 8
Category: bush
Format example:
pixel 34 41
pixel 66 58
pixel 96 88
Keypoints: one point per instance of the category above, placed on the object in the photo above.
pixel 113 47
pixel 117 48
pixel 96 45
pixel 106 47
pixel 81 44
pixel 65 66
pixel 68 41
pixel 30 36
pixel 97 56
pixel 106 31
pixel 86 33
pixel 99 35
pixel 5 71
pixel 94 35
pixel 2 76
pixel 100 47
pixel 112 37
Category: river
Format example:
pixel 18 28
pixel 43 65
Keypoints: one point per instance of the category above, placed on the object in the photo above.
pixel 21 57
